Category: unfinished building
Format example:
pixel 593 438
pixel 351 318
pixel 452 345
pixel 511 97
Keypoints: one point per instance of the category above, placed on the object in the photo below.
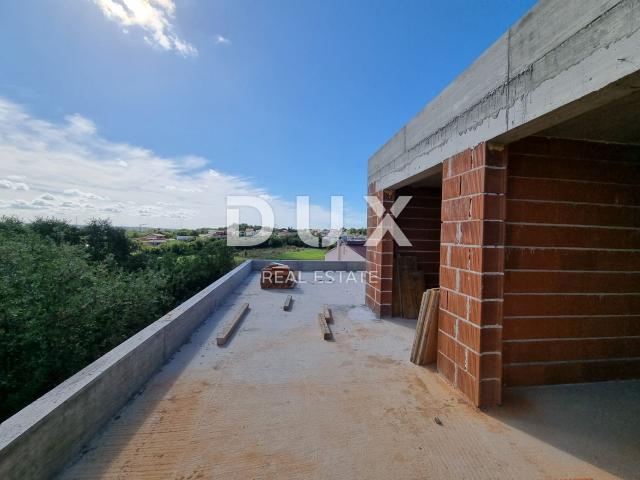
pixel 525 182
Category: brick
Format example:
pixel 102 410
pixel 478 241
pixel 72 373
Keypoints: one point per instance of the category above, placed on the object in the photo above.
pixel 459 163
pixel 456 209
pixel 447 323
pixel 469 335
pixel 493 233
pixel 448 278
pixel 446 367
pixel 472 182
pixel 385 311
pixel 487 207
pixel 572 282
pixel 471 232
pixel 447 346
pixel 549 259
pixel 559 327
pixel 456 304
pixel 487 312
pixel 572 214
pixel 468 384
pixel 491 260
pixel 444 255
pixel 490 393
pixel 547 374
pixel 521 188
pixel 450 188
pixel 448 232
pixel 495 180
pixel 556 305
pixel 496 156
pixel 491 340
pixel 478 155
pixel 571 350
pixel 471 283
pixel 574 169
pixel 492 286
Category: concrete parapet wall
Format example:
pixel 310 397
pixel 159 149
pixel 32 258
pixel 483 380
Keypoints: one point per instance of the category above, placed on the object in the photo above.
pixel 42 438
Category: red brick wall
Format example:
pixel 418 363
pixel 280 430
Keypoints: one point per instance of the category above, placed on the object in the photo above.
pixel 379 285
pixel 572 271
pixel 420 222
pixel 471 273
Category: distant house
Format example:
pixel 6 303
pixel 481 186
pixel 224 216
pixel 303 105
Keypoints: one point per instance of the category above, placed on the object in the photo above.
pixel 249 232
pixel 184 238
pixel 351 251
pixel 152 239
pixel 214 234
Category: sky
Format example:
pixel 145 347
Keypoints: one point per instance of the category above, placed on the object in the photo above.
pixel 152 112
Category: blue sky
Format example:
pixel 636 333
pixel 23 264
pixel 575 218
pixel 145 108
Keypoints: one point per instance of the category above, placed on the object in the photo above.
pixel 153 115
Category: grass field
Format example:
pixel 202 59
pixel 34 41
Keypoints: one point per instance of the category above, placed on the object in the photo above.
pixel 284 253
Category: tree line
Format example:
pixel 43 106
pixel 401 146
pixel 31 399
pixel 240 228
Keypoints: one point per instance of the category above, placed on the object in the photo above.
pixel 69 294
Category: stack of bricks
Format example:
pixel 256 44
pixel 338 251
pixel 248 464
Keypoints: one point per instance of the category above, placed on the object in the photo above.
pixel 472 272
pixel 379 260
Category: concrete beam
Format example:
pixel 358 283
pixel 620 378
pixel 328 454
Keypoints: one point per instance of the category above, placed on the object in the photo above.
pixel 560 60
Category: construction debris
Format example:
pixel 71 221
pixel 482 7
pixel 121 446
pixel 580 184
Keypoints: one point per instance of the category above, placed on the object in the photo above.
pixel 287 303
pixel 425 344
pixel 231 325
pixel 328 316
pixel 324 328
pixel 278 275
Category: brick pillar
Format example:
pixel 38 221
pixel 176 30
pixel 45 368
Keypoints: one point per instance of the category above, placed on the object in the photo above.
pixel 472 272
pixel 379 261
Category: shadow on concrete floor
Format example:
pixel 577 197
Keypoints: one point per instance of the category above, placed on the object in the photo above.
pixel 596 422
pixel 403 322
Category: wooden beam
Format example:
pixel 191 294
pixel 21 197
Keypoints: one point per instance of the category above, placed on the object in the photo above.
pixel 231 325
pixel 287 303
pixel 324 328
pixel 328 316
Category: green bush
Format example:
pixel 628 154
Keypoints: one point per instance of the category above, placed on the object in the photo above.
pixel 68 295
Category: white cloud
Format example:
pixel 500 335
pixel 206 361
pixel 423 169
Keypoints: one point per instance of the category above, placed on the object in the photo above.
pixel 19 204
pixel 155 17
pixel 9 185
pixel 81 175
pixel 220 40
pixel 74 192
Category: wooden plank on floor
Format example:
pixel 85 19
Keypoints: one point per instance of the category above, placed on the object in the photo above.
pixel 287 303
pixel 328 316
pixel 324 328
pixel 231 325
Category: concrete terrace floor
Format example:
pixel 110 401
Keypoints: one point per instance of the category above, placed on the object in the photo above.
pixel 279 402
